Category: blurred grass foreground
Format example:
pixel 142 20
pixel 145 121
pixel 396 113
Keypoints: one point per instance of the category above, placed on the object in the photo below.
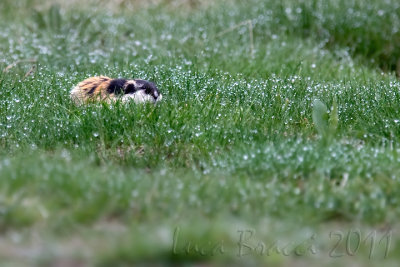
pixel 276 142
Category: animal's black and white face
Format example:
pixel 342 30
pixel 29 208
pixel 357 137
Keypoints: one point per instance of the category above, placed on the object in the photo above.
pixel 141 91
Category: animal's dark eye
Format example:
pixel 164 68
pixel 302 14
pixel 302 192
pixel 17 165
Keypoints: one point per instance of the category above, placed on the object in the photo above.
pixel 130 88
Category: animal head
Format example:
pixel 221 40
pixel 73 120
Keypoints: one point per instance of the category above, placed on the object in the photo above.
pixel 141 91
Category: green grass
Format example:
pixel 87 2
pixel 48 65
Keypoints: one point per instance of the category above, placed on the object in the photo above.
pixel 299 137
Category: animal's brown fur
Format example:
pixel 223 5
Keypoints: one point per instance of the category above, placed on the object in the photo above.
pixel 92 89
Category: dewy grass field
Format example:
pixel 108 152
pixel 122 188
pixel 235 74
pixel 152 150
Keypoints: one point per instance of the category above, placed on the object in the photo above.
pixel 276 141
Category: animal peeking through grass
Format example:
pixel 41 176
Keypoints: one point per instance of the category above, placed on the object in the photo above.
pixel 105 89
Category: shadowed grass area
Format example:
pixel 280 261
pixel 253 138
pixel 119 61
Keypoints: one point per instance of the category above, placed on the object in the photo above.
pixel 290 122
pixel 154 215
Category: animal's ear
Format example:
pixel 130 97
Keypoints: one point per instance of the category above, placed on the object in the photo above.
pixel 130 88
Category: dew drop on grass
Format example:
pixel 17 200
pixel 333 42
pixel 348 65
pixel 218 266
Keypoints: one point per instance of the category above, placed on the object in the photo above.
pixel 296 191
pixel 134 193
